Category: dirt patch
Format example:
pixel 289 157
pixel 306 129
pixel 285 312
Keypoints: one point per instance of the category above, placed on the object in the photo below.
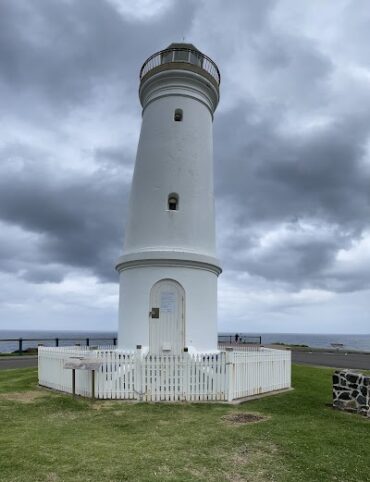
pixel 62 417
pixel 109 404
pixel 23 397
pixel 250 462
pixel 105 405
pixel 254 452
pixel 242 418
pixel 52 477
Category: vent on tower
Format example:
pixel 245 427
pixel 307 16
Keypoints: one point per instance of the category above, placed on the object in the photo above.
pixel 178 115
pixel 173 202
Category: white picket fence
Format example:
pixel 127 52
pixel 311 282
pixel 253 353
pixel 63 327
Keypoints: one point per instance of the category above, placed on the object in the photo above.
pixel 240 347
pixel 255 372
pixel 223 376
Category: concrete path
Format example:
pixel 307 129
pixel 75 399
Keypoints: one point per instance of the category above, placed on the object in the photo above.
pixel 24 361
pixel 332 359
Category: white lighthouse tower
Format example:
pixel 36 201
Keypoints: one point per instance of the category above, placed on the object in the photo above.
pixel 169 269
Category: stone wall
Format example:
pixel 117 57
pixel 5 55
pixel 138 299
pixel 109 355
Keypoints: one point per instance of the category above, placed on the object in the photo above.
pixel 351 391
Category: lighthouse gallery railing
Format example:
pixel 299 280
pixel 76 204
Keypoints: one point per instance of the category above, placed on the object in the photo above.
pixel 185 55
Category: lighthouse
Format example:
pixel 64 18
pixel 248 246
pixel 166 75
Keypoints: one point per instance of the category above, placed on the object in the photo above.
pixel 167 335
pixel 169 268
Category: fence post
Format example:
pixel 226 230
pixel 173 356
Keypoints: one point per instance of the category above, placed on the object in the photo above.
pixel 20 346
pixel 93 384
pixel 230 370
pixel 185 363
pixel 138 379
pixel 73 382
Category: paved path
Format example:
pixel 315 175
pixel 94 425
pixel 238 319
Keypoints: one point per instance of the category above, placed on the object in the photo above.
pixel 327 359
pixel 332 359
pixel 23 361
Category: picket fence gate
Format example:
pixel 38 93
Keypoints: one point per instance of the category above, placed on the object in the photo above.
pixel 222 376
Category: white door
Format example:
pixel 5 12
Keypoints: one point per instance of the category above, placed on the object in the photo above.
pixel 167 317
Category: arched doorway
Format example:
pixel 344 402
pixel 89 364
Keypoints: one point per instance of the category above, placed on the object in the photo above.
pixel 167 317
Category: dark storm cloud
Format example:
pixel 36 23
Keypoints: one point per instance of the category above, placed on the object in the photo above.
pixel 292 169
pixel 60 50
pixel 44 274
pixel 271 178
pixel 297 195
pixel 53 56
pixel 297 257
pixel 81 220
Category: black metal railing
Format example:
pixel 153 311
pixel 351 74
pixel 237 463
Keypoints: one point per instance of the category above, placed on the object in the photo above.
pixel 23 344
pixel 239 339
pixel 185 55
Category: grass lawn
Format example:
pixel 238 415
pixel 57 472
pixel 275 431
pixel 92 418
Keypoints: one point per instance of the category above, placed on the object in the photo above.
pixel 50 437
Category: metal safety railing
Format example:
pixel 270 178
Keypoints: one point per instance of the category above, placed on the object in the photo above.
pixel 239 339
pixel 186 55
pixel 20 345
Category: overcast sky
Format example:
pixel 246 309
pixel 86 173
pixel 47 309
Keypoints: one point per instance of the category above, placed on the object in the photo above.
pixel 292 157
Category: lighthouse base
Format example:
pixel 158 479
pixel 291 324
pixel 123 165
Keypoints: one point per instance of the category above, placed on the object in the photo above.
pixel 168 308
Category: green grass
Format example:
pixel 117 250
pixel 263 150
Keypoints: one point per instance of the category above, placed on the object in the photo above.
pixel 54 438
pixel 26 351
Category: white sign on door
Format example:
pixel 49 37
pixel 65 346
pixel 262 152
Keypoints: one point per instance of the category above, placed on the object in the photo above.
pixel 168 301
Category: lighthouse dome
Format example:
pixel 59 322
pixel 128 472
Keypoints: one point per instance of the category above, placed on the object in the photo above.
pixel 182 45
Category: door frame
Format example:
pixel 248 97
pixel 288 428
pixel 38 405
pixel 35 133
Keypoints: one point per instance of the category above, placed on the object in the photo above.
pixel 181 289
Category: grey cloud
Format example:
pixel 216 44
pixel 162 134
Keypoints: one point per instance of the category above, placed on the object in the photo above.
pixel 112 157
pixel 44 274
pixel 61 50
pixel 80 219
pixel 55 56
pixel 298 258
pixel 271 178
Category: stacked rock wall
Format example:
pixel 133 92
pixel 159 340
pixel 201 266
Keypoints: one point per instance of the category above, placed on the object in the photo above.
pixel 351 391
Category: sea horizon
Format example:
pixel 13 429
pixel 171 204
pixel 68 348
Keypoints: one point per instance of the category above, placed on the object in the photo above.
pixel 220 332
pixel 350 341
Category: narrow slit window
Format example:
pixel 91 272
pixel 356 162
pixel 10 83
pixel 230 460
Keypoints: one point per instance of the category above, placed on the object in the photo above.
pixel 173 202
pixel 178 115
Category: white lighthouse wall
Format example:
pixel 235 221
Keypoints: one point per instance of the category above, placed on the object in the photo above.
pixel 200 305
pixel 173 157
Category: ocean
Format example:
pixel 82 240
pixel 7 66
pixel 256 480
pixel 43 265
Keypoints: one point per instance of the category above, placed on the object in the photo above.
pixel 65 338
pixel 350 342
